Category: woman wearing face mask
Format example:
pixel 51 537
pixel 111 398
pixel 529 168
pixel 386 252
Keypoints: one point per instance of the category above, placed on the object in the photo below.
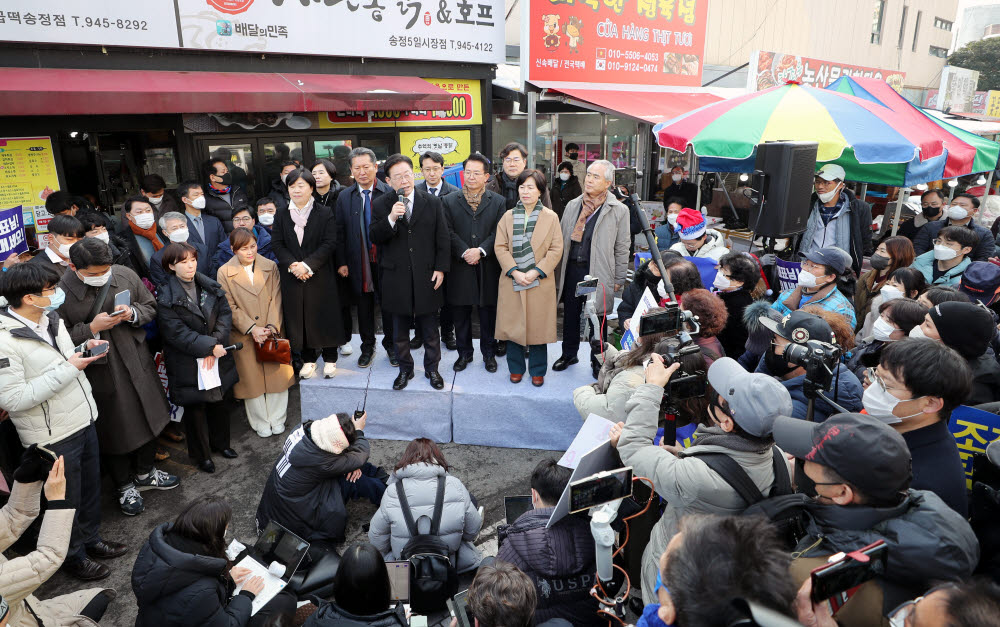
pixel 665 234
pixel 902 283
pixel 222 197
pixel 565 188
pixel 896 318
pixel 683 276
pixel 736 277
pixel 891 254
pixel 139 232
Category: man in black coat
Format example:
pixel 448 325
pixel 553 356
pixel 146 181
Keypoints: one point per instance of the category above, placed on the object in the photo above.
pixel 473 215
pixel 679 188
pixel 962 212
pixel 223 199
pixel 411 231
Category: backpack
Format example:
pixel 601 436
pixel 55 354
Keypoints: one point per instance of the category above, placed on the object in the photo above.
pixel 433 578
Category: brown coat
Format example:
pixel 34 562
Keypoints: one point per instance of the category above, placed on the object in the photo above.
pixel 529 317
pixel 258 303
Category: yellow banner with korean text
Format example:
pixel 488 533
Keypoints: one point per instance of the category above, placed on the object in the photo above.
pixel 466 110
pixel 454 146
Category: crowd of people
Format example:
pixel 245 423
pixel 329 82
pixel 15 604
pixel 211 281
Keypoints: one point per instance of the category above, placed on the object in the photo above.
pixel 907 325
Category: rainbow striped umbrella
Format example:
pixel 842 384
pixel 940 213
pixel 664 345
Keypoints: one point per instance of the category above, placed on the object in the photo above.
pixel 851 131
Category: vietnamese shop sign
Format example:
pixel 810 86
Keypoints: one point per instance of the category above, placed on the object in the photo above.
pixel 770 69
pixel 436 30
pixel 613 42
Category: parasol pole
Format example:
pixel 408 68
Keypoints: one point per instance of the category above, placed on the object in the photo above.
pixel 989 182
pixel 901 197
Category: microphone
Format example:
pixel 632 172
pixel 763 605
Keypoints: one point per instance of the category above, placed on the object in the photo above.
pixel 402 199
pixel 235 347
pixel 668 287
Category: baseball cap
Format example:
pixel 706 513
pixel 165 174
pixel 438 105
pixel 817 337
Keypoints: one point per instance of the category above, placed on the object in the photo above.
pixel 754 398
pixel 836 258
pixel 981 281
pixel 863 450
pixel 800 327
pixel 832 171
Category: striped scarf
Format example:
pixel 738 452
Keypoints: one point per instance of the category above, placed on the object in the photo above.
pixel 524 227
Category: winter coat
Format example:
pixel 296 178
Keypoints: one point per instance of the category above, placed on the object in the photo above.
pixel 329 614
pixel 460 520
pixel 924 240
pixel 216 205
pixel 125 384
pixel 666 236
pixel 329 199
pixel 279 194
pixel 733 336
pixel 610 404
pixel 507 188
pixel 257 304
pixel 867 289
pixel 563 192
pixel 447 188
pixel 410 252
pixel 21 576
pixel 925 264
pixel 350 225
pixel 181 588
pixel 311 308
pixel 834 301
pixel 225 250
pixel 192 330
pixel 846 392
pixel 214 235
pixel 608 248
pixel 137 260
pixel 560 562
pixel 47 398
pixel 303 491
pixel 928 541
pixel 687 483
pixel 477 284
pixel 632 294
pixel 985 380
pixel 528 317
pixel 684 190
pixel 860 214
pixel 713 248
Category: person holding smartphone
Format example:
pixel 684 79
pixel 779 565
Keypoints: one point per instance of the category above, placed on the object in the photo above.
pixel 50 402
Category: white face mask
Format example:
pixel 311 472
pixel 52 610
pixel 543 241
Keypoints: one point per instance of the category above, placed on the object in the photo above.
pixel 104 237
pixel 889 292
pixel 198 203
pixel 918 333
pixel 721 282
pixel 676 177
pixel 267 219
pixel 944 253
pixel 672 219
pixel 180 235
pixel 660 289
pixel 144 220
pixel 828 196
pixel 956 212
pixel 155 201
pixel 564 176
pixel 806 279
pixel 879 403
pixel 96 281
pixel 64 250
pixel 882 329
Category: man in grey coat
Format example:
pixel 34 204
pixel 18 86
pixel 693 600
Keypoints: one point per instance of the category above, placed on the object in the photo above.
pixel 740 415
pixel 596 235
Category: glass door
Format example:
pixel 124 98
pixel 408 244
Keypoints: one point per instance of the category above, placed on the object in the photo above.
pixel 337 150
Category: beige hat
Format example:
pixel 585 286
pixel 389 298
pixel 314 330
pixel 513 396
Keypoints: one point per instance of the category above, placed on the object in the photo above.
pixel 328 434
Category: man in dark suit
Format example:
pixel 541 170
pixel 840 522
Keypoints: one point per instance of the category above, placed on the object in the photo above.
pixel 473 215
pixel 412 235
pixel 204 232
pixel 356 257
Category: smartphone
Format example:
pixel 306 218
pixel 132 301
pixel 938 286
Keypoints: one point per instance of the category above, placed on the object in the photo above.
pixel 837 580
pixel 458 605
pixel 599 489
pixel 100 349
pixel 399 581
pixel 123 297
pixel 587 286
pixel 668 322
pixel 46 453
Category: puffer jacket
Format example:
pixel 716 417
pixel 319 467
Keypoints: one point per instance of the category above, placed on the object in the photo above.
pixel 687 483
pixel 216 205
pixel 610 404
pixel 608 248
pixel 925 265
pixel 559 560
pixel 47 397
pixel 279 194
pixel 175 588
pixel 460 520
pixel 846 392
pixel 329 614
pixel 713 248
pixel 225 250
pixel 21 576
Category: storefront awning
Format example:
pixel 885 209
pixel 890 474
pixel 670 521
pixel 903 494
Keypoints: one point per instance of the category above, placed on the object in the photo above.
pixel 651 107
pixel 26 91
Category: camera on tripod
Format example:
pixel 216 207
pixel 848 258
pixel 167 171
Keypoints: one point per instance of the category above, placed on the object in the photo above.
pixel 819 360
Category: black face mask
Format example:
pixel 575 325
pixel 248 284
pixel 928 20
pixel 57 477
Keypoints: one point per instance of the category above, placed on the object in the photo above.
pixel 572 155
pixel 776 364
pixel 227 178
pixel 930 212
pixel 879 262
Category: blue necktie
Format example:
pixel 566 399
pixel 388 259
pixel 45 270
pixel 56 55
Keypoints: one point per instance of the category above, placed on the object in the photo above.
pixel 367 207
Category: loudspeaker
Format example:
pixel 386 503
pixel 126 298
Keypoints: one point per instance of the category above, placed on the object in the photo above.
pixel 784 177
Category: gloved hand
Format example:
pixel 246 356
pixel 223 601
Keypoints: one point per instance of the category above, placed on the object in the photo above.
pixel 768 260
pixel 34 466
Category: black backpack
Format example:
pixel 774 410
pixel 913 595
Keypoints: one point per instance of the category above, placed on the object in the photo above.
pixel 433 578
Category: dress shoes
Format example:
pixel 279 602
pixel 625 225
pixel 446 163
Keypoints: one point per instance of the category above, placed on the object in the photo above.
pixel 228 453
pixel 105 550
pixel 172 433
pixel 86 569
pixel 564 362
pixel 365 360
pixel 402 380
pixel 393 361
pixel 449 341
pixel 461 363
pixel 490 363
pixel 437 381
pixel 537 381
pixel 516 378
pixel 206 466
pixel 416 343
pixel 501 349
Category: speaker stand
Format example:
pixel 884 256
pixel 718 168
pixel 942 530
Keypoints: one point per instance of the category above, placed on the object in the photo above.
pixel 737 224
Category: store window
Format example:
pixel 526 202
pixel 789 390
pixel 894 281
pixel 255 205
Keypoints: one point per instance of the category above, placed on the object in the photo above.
pixel 877 17
pixel 936 51
pixel 514 128
pixel 239 160
pixel 339 152
pixel 623 133
pixel 278 152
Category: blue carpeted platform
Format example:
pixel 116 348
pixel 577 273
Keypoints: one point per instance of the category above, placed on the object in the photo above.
pixel 475 407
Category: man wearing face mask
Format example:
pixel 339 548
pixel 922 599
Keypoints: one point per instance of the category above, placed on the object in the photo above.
pixel 838 218
pixel 223 198
pixel 666 236
pixel 64 231
pixel 945 264
pixel 680 188
pixel 928 208
pixel 184 227
pixel 818 285
pixel 96 225
pixel 126 387
pixel 140 234
pixel 962 212
pixel 154 188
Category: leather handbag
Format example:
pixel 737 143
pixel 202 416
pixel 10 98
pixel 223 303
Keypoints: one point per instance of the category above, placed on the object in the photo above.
pixel 274 349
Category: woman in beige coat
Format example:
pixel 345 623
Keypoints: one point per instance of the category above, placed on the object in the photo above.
pixel 253 290
pixel 528 246
pixel 21 576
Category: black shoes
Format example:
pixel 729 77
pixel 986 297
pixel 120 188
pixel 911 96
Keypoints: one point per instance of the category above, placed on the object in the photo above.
pixel 501 349
pixel 416 343
pixel 228 453
pixel 365 360
pixel 86 569
pixel 402 380
pixel 449 341
pixel 461 363
pixel 392 359
pixel 105 550
pixel 564 362
pixel 490 363
pixel 206 466
pixel 437 382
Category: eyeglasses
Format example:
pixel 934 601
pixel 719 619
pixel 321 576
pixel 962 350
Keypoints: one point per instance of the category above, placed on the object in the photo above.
pixel 941 242
pixel 659 584
pixel 902 616
pixel 874 377
pixel 513 160
pixel 243 220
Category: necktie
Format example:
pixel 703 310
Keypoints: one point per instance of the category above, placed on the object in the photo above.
pixel 434 191
pixel 409 211
pixel 367 206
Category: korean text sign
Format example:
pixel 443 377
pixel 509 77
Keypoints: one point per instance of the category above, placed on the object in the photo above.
pixel 27 175
pixel 973 430
pixel 770 69
pixel 466 110
pixel 614 42
pixel 12 232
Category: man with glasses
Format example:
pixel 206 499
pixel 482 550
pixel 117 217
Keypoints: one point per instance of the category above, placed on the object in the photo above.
pixel 409 229
pixel 945 264
pixel 514 159
pixel 244 218
pixel 961 213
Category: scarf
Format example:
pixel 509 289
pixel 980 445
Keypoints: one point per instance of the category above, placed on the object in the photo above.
pixel 524 227
pixel 509 188
pixel 590 205
pixel 715 436
pixel 149 234
pixel 473 199
pixel 300 217
pixel 222 191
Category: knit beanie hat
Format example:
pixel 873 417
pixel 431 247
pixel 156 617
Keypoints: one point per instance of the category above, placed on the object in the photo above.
pixel 966 327
pixel 328 434
pixel 690 224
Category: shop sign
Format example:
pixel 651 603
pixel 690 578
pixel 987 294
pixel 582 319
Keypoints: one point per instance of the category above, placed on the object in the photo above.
pixel 770 69
pixel 119 22
pixel 453 145
pixel 12 232
pixel 465 110
pixel 958 89
pixel 980 100
pixel 27 177
pixel 993 104
pixel 614 42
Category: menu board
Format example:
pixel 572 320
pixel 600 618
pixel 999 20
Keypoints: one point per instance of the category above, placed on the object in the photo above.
pixel 27 176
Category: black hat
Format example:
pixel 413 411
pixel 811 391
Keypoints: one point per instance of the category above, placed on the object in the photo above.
pixel 966 327
pixel 800 327
pixel 865 451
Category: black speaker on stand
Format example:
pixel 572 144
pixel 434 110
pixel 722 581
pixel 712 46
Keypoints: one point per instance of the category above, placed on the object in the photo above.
pixel 783 180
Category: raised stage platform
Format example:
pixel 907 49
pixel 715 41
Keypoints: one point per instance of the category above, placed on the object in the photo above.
pixel 475 406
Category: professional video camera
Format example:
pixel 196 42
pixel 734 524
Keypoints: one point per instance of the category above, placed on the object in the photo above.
pixel 819 360
pixel 685 383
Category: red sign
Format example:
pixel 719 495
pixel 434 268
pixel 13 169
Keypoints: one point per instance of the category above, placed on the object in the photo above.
pixel 769 69
pixel 231 7
pixel 980 101
pixel 646 42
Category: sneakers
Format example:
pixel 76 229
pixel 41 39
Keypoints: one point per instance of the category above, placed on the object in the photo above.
pixel 157 480
pixel 130 500
pixel 329 370
pixel 346 350
pixel 277 429
pixel 308 370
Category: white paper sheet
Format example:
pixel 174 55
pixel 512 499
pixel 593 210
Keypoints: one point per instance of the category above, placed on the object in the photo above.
pixel 594 432
pixel 208 379
pixel 645 304
pixel 272 585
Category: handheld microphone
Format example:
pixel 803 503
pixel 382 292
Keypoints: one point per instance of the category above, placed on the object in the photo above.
pixel 668 287
pixel 402 199
pixel 235 347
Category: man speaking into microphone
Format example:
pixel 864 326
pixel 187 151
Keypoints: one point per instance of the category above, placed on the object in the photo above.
pixel 410 229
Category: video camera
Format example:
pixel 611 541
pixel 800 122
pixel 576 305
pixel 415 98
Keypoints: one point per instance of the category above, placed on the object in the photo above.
pixel 685 383
pixel 819 360
pixel 669 322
